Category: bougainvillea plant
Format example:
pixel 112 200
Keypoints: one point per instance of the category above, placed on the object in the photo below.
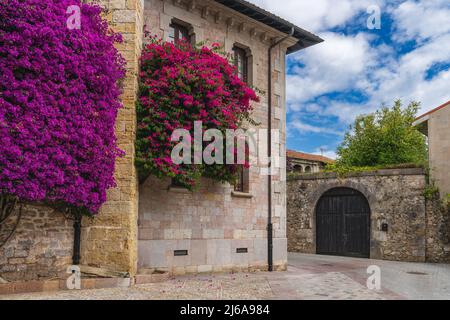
pixel 59 98
pixel 179 85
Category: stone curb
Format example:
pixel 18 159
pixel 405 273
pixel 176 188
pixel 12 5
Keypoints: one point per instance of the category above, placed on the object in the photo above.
pixel 38 286
pixel 151 278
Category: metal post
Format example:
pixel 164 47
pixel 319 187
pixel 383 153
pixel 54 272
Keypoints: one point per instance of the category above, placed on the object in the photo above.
pixel 77 239
pixel 269 151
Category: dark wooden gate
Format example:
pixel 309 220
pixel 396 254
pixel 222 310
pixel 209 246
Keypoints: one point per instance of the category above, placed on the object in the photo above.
pixel 343 224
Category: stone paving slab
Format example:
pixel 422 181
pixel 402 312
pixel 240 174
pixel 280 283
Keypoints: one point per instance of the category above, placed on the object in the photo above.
pixel 309 277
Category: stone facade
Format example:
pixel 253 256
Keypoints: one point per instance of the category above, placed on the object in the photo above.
pixel 299 162
pixel 214 222
pixel 435 125
pixel 41 247
pixel 438 231
pixel 110 240
pixel 395 197
pixel 43 244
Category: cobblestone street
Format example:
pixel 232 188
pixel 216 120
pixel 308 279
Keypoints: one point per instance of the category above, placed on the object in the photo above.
pixel 309 277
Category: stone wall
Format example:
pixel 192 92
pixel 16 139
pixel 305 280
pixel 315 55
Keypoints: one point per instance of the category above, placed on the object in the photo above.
pixel 439 148
pixel 110 240
pixel 41 247
pixel 168 219
pixel 43 244
pixel 213 222
pixel 395 197
pixel 438 231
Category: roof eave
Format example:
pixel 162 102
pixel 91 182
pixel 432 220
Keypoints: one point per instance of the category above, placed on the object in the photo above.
pixel 305 38
pixel 301 44
pixel 421 120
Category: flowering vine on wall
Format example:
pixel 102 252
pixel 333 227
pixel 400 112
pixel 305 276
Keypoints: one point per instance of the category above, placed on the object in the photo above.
pixel 179 85
pixel 59 98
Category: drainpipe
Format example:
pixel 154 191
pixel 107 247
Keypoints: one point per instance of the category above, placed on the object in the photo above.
pixel 77 240
pixel 269 154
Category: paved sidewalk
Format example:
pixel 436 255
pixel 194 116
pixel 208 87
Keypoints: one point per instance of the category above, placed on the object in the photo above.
pixel 308 277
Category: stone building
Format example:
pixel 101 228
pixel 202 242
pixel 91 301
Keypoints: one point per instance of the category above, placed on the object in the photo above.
pixel 222 227
pixel 157 225
pixel 380 215
pixel 435 124
pixel 300 162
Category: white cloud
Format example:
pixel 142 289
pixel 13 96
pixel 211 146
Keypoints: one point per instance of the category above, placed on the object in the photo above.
pixel 317 15
pixel 346 63
pixel 408 79
pixel 421 20
pixel 337 64
pixel 302 127
pixel 326 152
pixel 323 151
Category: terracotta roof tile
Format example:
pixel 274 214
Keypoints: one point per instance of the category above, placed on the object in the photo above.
pixel 306 156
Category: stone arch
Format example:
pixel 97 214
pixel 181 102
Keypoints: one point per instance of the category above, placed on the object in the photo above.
pixel 326 186
pixel 308 169
pixel 353 238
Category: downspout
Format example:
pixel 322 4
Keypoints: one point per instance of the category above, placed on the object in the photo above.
pixel 76 239
pixel 269 153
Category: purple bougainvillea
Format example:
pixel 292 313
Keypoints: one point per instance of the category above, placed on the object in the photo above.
pixel 59 98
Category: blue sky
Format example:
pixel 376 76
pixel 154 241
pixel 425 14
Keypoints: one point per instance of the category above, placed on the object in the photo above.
pixel 357 70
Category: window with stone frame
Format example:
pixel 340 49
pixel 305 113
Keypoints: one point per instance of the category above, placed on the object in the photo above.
pixel 241 63
pixel 179 33
pixel 243 178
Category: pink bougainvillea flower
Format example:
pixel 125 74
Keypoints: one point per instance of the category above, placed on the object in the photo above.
pixel 186 84
pixel 59 100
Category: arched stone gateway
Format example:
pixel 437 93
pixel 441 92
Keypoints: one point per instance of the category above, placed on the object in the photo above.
pixel 379 214
pixel 343 223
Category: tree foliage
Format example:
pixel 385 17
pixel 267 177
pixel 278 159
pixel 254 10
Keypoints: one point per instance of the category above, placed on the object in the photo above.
pixel 179 85
pixel 385 137
pixel 59 98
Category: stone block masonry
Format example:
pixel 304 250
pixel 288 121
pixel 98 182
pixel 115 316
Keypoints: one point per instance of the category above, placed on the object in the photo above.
pixel 43 244
pixel 418 228
pixel 41 247
pixel 110 240
pixel 213 223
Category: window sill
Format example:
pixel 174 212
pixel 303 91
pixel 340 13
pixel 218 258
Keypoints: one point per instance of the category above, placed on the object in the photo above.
pixel 179 190
pixel 243 195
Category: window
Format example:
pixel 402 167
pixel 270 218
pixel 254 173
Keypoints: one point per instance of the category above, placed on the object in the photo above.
pixel 243 179
pixel 241 63
pixel 278 102
pixel 179 33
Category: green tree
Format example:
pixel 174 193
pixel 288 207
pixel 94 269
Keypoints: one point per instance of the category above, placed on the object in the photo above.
pixel 385 137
